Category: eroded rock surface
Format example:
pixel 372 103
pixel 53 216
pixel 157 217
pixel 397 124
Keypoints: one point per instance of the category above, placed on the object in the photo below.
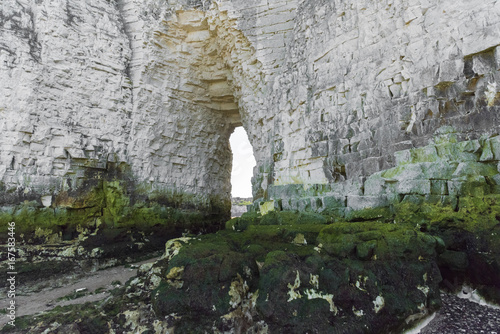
pixel 147 93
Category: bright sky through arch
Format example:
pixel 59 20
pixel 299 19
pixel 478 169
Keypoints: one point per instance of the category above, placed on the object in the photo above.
pixel 243 163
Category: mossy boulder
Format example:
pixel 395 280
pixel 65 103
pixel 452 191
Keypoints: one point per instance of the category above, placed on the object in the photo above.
pixel 470 236
pixel 294 276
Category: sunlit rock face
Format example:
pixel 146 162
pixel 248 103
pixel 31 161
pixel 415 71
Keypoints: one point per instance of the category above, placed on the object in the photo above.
pixel 147 92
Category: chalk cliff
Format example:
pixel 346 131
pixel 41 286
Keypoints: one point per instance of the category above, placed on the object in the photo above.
pixel 382 117
pixel 149 92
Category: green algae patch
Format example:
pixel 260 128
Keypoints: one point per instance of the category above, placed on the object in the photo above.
pixel 116 202
pixel 469 238
pixel 292 274
pixel 108 205
pixel 266 207
pixel 473 214
pixel 242 223
pixel 161 209
pixel 377 241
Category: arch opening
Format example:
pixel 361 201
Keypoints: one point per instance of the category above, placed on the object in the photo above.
pixel 242 171
pixel 182 144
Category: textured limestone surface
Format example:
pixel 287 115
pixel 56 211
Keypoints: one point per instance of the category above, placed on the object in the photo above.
pixel 65 98
pixel 148 92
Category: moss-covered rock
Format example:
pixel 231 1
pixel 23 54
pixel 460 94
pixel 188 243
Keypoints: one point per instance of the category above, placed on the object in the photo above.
pixel 470 236
pixel 293 275
pixel 108 205
pixel 275 218
pixel 374 274
pixel 386 241
pixel 363 276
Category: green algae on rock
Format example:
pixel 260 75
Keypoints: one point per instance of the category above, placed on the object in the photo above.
pixel 298 287
pixel 374 276
pixel 470 235
pixel 109 205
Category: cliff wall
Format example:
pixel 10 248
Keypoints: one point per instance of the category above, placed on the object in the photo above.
pixel 137 98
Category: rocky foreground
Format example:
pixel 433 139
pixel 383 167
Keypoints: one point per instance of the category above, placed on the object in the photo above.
pixel 381 271
pixel 457 314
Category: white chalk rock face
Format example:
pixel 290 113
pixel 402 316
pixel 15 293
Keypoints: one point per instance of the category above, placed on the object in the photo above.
pixel 149 91
pixel 65 95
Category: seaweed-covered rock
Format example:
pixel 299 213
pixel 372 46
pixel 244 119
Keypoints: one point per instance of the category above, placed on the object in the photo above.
pixel 293 275
pixel 275 218
pixel 471 240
